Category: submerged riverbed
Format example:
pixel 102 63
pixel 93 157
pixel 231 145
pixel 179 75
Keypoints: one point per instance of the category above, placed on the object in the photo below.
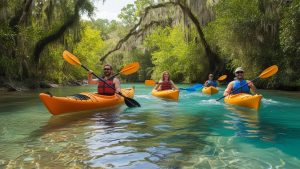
pixel 195 132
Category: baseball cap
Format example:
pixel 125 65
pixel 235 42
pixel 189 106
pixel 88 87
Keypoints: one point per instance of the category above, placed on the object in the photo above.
pixel 239 69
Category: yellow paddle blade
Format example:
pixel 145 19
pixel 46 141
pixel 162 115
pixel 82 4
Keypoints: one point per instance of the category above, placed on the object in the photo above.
pixel 150 82
pixel 130 68
pixel 269 71
pixel 222 78
pixel 70 58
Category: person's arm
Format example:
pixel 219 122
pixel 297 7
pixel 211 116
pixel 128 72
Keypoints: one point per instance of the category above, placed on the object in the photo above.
pixel 90 78
pixel 252 87
pixel 173 85
pixel 117 85
pixel 206 83
pixel 228 89
pixel 157 86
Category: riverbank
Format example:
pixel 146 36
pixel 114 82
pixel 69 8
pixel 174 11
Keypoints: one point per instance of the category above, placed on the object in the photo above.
pixel 13 86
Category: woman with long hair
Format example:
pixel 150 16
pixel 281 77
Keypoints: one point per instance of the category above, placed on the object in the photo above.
pixel 165 83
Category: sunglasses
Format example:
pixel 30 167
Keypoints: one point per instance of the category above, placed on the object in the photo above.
pixel 106 69
pixel 239 72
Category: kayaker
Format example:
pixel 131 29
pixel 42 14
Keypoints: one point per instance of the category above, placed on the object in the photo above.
pixel 238 82
pixel 103 89
pixel 165 83
pixel 211 81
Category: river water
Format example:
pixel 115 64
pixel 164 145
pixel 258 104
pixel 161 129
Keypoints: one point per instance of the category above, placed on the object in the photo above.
pixel 195 132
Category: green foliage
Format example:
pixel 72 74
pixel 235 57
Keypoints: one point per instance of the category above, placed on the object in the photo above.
pixel 254 34
pixel 89 48
pixel 245 35
pixel 128 15
pixel 290 44
pixel 141 5
pixel 172 53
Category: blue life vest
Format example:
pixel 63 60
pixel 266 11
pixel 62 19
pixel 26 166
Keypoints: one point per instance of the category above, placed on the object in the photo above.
pixel 237 84
pixel 211 83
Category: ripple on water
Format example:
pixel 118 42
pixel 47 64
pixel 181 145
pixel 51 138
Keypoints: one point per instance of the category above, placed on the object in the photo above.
pixel 271 102
pixel 229 153
pixel 148 97
pixel 128 160
pixel 209 102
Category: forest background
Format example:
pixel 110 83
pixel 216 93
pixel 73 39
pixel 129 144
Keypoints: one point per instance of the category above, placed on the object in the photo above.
pixel 189 38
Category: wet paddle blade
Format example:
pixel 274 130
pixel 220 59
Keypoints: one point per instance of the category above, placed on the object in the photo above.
pixel 197 86
pixel 193 88
pixel 131 102
pixel 70 58
pixel 222 78
pixel 130 68
pixel 269 71
pixel 150 82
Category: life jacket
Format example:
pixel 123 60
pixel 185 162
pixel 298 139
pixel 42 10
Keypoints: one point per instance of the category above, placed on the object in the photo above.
pixel 166 85
pixel 211 83
pixel 104 89
pixel 237 84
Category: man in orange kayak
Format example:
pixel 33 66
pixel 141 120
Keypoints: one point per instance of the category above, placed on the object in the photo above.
pixel 165 83
pixel 238 83
pixel 104 89
pixel 211 81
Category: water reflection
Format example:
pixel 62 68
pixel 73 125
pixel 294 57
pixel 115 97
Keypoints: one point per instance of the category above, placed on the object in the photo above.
pixel 63 122
pixel 244 121
pixel 60 143
pixel 146 140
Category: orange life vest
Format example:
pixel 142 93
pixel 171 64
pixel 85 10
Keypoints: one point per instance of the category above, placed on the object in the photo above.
pixel 104 89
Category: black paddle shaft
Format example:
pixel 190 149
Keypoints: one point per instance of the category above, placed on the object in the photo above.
pixel 127 99
pixel 102 80
pixel 239 87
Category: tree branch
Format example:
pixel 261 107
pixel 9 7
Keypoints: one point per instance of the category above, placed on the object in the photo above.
pixel 20 15
pixel 134 29
pixel 42 43
pixel 212 57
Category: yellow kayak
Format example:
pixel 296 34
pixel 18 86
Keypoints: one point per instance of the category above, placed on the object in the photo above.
pixel 83 102
pixel 210 90
pixel 244 100
pixel 166 94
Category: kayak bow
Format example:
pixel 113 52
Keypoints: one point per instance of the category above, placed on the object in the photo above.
pixel 244 100
pixel 83 102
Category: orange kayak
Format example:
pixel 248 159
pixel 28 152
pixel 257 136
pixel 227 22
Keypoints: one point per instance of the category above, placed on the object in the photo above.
pixel 83 102
pixel 166 94
pixel 244 100
pixel 210 90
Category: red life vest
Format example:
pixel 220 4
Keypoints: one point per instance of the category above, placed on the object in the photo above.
pixel 104 89
pixel 166 85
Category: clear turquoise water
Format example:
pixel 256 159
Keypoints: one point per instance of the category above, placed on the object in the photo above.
pixel 196 132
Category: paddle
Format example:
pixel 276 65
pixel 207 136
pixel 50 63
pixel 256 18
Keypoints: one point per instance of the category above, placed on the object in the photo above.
pixel 193 88
pixel 265 74
pixel 73 60
pixel 200 86
pixel 128 69
pixel 150 82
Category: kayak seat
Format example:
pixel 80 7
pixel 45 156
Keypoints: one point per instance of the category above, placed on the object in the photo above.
pixel 81 97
